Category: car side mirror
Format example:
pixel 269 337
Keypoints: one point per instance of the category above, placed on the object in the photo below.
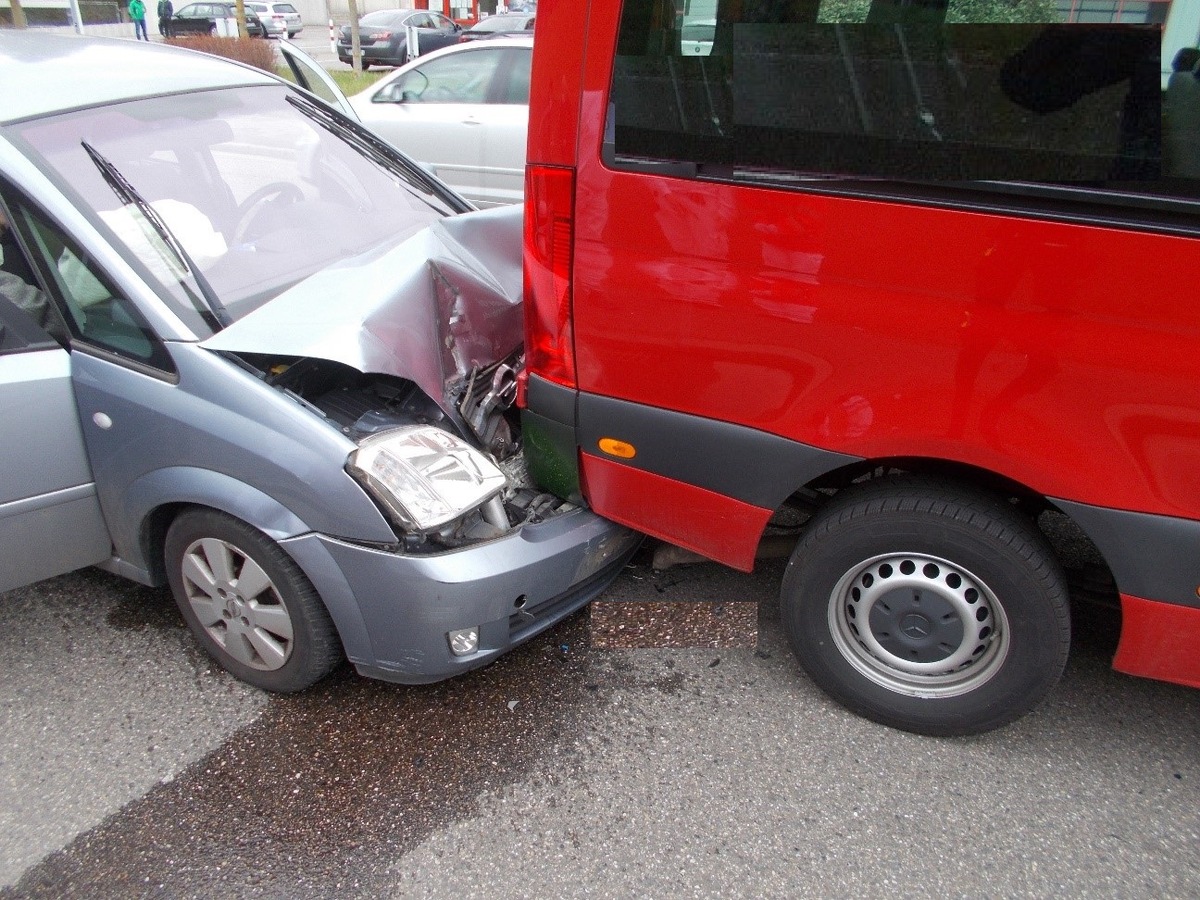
pixel 390 94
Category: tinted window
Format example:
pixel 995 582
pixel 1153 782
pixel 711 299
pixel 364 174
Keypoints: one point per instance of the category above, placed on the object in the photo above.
pixel 991 90
pixel 98 314
pixel 517 88
pixel 456 78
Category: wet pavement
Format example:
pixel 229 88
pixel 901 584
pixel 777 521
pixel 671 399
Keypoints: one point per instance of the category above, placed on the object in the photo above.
pixel 564 770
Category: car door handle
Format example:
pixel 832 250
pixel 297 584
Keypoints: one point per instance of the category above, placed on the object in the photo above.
pixel 471 120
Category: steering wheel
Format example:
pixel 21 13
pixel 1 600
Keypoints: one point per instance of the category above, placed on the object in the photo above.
pixel 249 208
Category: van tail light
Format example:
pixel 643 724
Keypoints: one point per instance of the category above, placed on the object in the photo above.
pixel 549 236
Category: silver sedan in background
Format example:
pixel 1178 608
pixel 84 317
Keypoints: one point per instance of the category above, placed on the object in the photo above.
pixel 464 112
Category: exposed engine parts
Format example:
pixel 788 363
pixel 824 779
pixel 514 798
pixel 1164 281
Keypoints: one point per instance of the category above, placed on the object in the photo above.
pixel 360 405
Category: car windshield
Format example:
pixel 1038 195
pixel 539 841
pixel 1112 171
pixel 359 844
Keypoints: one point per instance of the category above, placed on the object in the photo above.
pixel 258 193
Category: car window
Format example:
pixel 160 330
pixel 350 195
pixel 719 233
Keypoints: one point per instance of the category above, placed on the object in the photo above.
pixel 440 22
pixel 23 293
pixel 259 192
pixel 456 78
pixel 286 8
pixel 516 90
pixel 98 314
pixel 419 20
pixel 18 333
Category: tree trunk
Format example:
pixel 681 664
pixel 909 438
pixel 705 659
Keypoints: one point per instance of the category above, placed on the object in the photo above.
pixel 355 42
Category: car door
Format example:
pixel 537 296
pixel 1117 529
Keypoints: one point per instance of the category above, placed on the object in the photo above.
pixel 311 76
pixel 193 18
pixel 437 31
pixel 437 112
pixel 50 519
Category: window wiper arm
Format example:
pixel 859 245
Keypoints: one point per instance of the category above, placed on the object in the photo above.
pixel 126 193
pixel 373 148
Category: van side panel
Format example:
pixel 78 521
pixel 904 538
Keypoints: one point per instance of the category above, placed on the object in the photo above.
pixel 709 523
pixel 1159 640
pixel 1058 355
pixel 557 83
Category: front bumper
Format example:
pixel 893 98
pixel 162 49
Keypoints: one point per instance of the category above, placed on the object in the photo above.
pixel 394 612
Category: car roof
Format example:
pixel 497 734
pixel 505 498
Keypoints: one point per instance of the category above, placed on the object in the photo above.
pixel 49 73
pixel 505 17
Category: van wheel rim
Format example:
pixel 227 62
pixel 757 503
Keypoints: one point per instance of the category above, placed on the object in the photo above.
pixel 919 625
pixel 237 603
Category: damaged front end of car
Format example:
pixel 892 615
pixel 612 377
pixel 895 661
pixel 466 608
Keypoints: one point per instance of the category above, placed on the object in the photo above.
pixel 413 355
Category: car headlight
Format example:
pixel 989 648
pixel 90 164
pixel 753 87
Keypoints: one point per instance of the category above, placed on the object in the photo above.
pixel 425 476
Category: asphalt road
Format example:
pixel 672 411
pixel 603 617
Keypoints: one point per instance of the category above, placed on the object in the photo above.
pixel 130 767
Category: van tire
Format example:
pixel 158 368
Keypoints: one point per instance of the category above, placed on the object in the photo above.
pixel 931 608
pixel 247 602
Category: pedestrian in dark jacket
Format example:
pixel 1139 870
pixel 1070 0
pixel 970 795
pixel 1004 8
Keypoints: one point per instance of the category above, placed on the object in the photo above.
pixel 166 9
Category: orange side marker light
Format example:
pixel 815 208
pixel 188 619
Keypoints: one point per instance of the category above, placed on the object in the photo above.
pixel 620 449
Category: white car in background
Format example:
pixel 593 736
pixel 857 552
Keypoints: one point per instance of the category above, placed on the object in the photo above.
pixel 463 111
pixel 280 18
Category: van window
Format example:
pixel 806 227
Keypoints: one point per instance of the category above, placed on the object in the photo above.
pixel 923 92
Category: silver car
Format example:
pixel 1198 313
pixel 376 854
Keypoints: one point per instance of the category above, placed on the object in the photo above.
pixel 284 390
pixel 279 19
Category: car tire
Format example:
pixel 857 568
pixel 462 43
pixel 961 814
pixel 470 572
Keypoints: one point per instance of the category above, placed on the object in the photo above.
pixel 248 603
pixel 930 608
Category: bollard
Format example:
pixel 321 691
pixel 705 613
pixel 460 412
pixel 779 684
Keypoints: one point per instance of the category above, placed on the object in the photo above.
pixel 332 38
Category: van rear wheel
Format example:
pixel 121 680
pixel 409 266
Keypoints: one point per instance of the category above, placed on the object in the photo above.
pixel 930 608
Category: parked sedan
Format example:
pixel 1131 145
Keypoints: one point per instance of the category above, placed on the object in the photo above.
pixel 383 36
pixel 274 23
pixel 500 25
pixel 202 18
pixel 464 112
pixel 292 21
pixel 285 391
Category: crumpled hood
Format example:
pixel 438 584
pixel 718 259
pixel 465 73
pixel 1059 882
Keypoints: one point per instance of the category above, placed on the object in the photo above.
pixel 431 309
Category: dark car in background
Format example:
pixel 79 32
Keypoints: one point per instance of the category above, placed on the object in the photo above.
pixel 383 35
pixel 201 18
pixel 503 25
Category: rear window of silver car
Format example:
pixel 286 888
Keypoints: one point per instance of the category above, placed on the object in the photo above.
pixel 259 194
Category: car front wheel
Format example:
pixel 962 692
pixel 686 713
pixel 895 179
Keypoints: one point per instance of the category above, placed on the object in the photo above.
pixel 928 608
pixel 248 604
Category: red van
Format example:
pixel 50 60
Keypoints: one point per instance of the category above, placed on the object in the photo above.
pixel 918 277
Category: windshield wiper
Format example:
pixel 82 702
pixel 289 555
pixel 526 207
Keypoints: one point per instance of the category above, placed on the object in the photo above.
pixel 126 193
pixel 378 151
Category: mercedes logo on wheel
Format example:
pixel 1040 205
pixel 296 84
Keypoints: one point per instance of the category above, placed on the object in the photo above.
pixel 915 626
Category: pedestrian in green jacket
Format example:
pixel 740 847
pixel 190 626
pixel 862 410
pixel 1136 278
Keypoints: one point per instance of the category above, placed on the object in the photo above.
pixel 137 12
